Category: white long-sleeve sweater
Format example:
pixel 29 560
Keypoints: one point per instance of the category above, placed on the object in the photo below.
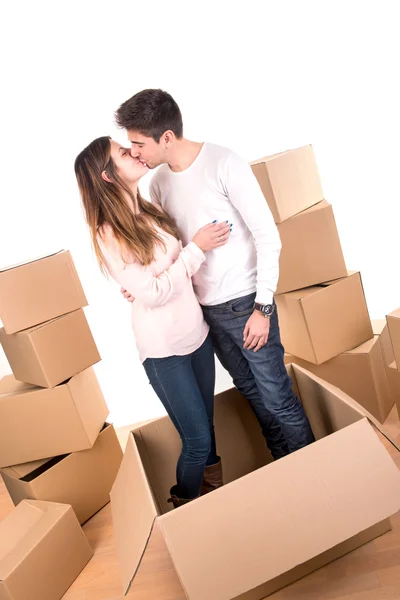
pixel 219 185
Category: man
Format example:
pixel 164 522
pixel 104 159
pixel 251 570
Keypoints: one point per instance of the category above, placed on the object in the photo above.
pixel 200 183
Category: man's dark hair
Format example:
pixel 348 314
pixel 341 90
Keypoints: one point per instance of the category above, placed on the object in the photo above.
pixel 151 113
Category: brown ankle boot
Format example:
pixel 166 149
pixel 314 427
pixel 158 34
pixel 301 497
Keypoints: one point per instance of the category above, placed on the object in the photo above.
pixel 212 478
pixel 176 501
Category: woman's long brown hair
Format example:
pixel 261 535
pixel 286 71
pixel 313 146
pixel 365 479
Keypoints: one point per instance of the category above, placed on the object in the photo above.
pixel 105 203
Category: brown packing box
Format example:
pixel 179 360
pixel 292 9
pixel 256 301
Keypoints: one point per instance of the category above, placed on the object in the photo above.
pixel 361 373
pixel 289 181
pixel 380 328
pixel 271 523
pixel 320 322
pixel 82 479
pixel 311 251
pixel 394 382
pixel 393 321
pixel 42 551
pixel 52 352
pixel 37 291
pixel 37 423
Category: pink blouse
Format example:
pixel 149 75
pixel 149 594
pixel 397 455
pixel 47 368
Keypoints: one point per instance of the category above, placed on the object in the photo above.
pixel 167 319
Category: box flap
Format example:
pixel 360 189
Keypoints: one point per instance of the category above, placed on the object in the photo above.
pixel 329 408
pixel 133 512
pixel 265 524
pixel 23 469
pixel 393 366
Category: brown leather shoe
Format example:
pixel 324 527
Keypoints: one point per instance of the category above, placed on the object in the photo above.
pixel 176 501
pixel 212 478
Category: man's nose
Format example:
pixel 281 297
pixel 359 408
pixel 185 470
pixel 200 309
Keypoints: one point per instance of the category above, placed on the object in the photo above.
pixel 135 153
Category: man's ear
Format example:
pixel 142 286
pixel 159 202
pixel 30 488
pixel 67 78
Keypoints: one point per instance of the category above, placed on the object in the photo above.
pixel 168 137
pixel 106 177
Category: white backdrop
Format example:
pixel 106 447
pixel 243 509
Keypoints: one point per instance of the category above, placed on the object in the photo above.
pixel 259 77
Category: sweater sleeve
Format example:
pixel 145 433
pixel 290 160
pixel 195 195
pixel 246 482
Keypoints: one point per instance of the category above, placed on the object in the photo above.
pixel 142 281
pixel 242 189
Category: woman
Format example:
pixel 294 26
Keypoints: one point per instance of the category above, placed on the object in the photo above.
pixel 137 243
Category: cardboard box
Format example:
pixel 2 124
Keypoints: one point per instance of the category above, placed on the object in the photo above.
pixel 320 322
pixel 52 352
pixel 42 551
pixel 394 382
pixel 266 527
pixel 289 181
pixel 380 328
pixel 361 373
pixel 37 423
pixel 311 251
pixel 82 479
pixel 39 290
pixel 393 321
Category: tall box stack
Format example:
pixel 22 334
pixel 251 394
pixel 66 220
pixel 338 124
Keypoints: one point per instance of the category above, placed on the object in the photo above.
pixel 323 313
pixel 55 444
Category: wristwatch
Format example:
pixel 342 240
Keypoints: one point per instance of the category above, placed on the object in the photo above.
pixel 265 309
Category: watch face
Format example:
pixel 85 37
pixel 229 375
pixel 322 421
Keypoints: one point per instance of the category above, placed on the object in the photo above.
pixel 268 309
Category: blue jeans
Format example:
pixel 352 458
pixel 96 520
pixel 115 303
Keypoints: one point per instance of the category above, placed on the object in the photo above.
pixel 260 376
pixel 185 386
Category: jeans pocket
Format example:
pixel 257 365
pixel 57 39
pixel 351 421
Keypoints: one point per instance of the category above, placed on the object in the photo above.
pixel 243 306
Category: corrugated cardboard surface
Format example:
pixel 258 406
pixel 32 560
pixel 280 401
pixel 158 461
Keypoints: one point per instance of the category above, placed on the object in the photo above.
pixel 38 291
pixel 53 352
pixel 290 181
pixel 320 322
pixel 317 562
pixel 42 551
pixel 342 485
pixel 133 512
pixel 38 423
pixel 82 479
pixel 311 251
pixel 361 373
pixel 281 521
pixel 393 321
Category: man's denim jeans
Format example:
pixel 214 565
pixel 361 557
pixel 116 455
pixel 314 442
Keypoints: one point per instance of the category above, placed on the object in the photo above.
pixel 260 376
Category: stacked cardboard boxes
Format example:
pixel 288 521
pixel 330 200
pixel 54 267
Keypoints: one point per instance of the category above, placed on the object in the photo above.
pixel 324 320
pixel 55 443
pixel 274 522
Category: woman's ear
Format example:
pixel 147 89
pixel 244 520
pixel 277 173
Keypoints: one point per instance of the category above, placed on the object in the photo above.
pixel 106 177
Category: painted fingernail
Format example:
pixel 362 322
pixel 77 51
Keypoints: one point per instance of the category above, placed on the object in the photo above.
pixel 215 221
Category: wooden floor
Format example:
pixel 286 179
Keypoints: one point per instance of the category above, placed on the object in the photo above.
pixel 369 573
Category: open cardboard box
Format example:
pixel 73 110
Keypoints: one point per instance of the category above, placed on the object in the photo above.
pixel 39 290
pixel 42 551
pixel 38 423
pixel 82 479
pixel 270 524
